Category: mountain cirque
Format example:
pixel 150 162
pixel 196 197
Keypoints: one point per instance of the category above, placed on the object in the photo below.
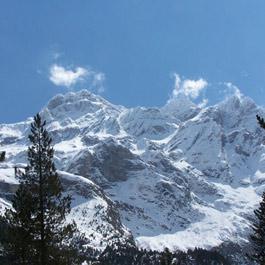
pixel 178 176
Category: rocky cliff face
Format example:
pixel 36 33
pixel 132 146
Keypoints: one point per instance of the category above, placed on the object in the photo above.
pixel 179 176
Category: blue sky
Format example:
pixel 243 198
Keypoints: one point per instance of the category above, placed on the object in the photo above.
pixel 132 52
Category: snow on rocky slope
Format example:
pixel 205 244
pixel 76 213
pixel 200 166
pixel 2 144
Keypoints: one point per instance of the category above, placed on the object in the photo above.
pixel 179 176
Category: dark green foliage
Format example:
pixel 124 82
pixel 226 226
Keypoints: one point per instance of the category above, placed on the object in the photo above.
pixel 166 257
pixel 204 257
pixel 3 239
pixel 261 121
pixel 36 233
pixel 2 156
pixel 122 255
pixel 258 236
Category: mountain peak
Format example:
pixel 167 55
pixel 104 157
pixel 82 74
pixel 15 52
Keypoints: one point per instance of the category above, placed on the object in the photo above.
pixel 181 107
pixel 75 105
pixel 74 97
pixel 237 103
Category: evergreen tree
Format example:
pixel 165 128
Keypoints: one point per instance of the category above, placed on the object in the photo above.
pixel 2 156
pixel 166 257
pixel 3 239
pixel 258 236
pixel 261 121
pixel 36 231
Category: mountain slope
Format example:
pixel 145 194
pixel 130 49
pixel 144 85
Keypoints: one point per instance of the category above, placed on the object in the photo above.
pixel 179 176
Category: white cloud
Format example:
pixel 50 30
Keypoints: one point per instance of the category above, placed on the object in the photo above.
pixel 193 88
pixel 69 77
pixel 60 76
pixel 188 87
pixel 202 93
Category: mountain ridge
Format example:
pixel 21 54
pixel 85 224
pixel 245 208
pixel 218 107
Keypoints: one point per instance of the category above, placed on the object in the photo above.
pixel 180 176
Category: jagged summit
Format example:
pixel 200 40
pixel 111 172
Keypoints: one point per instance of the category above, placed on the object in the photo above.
pixel 74 105
pixel 77 97
pixel 237 103
pixel 181 107
pixel 180 176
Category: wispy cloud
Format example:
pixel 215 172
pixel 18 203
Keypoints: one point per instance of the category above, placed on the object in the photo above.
pixel 203 103
pixel 188 87
pixel 98 82
pixel 69 77
pixel 56 55
pixel 231 89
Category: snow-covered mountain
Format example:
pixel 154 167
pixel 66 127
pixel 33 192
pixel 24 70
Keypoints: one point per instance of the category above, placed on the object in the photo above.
pixel 179 176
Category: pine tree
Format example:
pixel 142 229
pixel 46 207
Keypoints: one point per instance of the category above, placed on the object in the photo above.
pixel 36 231
pixel 2 156
pixel 258 236
pixel 261 121
pixel 166 257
